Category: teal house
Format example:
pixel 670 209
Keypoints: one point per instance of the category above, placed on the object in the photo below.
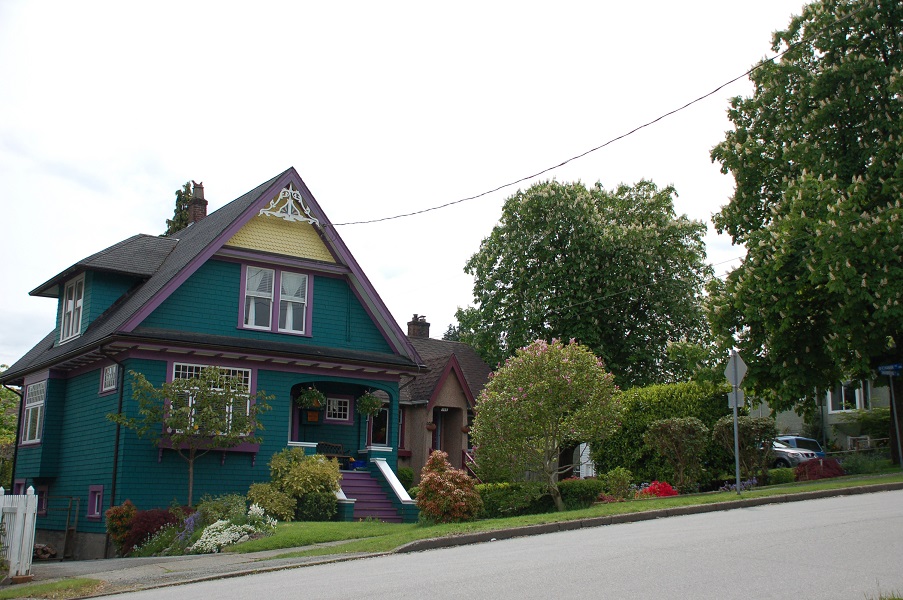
pixel 265 288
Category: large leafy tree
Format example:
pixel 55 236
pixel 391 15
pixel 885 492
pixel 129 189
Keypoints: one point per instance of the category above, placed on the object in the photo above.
pixel 617 270
pixel 817 155
pixel 546 397
pixel 194 416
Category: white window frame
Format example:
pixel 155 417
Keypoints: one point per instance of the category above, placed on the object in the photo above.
pixel 191 371
pixel 254 296
pixel 35 401
pixel 338 409
pixel 109 378
pixel 861 401
pixel 287 323
pixel 71 309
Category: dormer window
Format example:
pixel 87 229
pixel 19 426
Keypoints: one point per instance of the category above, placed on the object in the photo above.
pixel 71 314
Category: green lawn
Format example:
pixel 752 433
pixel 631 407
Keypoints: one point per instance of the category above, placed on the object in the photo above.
pixel 385 537
pixel 67 588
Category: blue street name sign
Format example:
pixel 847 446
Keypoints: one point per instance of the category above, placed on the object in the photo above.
pixel 893 370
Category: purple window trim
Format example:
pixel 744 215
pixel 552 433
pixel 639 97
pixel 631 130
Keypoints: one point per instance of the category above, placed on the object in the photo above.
pixel 165 444
pixel 274 315
pixel 95 499
pixel 350 419
pixel 19 487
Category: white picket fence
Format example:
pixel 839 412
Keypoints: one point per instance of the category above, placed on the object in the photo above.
pixel 17 513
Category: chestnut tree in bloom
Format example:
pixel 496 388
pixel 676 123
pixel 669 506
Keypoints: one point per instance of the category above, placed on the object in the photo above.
pixel 546 397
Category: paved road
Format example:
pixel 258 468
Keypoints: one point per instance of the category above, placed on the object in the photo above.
pixel 846 548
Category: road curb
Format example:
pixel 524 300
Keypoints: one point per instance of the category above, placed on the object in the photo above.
pixel 515 532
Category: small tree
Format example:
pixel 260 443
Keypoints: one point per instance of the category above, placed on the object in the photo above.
pixel 544 398
pixel 180 217
pixel 755 435
pixel 194 416
pixel 682 443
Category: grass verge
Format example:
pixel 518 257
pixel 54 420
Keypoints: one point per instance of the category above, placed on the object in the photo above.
pixel 385 537
pixel 58 590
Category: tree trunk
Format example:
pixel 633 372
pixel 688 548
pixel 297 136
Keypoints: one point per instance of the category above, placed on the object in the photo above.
pixel 191 456
pixel 896 409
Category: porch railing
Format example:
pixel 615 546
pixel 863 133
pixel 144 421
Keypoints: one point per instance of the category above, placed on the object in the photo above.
pixel 469 463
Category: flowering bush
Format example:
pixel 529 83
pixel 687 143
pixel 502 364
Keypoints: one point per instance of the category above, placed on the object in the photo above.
pixel 368 404
pixel 656 489
pixel 219 535
pixel 310 397
pixel 446 494
pixel 225 533
pixel 744 485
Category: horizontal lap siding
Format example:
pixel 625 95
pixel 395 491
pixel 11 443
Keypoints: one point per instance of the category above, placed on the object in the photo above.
pixel 209 302
pixel 102 290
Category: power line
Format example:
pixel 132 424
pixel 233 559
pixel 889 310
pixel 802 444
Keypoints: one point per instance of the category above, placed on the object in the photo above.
pixel 609 142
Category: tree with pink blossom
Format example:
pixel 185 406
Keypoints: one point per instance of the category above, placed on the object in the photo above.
pixel 544 398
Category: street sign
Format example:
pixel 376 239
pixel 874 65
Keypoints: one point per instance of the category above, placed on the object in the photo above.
pixel 891 370
pixel 736 399
pixel 736 369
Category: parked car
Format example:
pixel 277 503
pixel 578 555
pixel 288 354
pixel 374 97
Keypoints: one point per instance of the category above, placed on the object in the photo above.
pixel 785 456
pixel 802 443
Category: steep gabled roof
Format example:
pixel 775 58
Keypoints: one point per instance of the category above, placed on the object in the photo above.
pixel 443 357
pixel 172 260
pixel 140 255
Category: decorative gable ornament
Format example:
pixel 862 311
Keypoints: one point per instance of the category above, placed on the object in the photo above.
pixel 289 205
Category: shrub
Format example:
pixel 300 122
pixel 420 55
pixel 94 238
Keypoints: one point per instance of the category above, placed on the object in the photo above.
pixel 406 477
pixel 273 500
pixel 779 476
pixel 310 475
pixel 119 521
pixel 144 525
pixel 616 483
pixel 229 507
pixel 158 544
pixel 682 443
pixel 447 495
pixel 316 506
pixel 580 493
pixel 642 406
pixel 219 535
pixel 512 499
pixel 819 468
pixel 656 489
pixel 861 463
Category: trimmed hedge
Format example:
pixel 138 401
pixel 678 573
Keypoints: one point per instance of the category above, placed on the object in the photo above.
pixel 641 406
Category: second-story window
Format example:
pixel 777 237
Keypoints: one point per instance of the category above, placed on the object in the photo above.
pixel 258 298
pixel 276 301
pixel 71 313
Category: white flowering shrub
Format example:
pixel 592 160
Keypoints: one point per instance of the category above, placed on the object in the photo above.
pixel 225 533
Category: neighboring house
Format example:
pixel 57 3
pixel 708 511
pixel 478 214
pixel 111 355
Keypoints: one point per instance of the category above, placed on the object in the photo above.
pixel 437 407
pixel 840 401
pixel 263 287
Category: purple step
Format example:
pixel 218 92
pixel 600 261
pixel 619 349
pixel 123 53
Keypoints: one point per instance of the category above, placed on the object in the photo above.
pixel 370 498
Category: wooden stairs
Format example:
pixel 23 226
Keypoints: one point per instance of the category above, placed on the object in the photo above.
pixel 371 501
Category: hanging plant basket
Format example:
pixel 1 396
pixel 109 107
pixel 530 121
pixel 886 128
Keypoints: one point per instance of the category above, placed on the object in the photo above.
pixel 368 405
pixel 311 397
pixel 431 426
pixel 465 429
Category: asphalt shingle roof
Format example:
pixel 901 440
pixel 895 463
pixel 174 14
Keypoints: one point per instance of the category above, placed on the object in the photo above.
pixel 161 260
pixel 436 354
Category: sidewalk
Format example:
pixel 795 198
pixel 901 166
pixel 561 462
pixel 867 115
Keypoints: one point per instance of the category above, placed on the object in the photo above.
pixel 130 574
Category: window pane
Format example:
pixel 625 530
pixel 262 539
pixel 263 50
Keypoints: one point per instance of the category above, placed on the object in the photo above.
pixel 291 316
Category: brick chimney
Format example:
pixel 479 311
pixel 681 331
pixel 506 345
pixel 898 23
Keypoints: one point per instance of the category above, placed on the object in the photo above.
pixel 197 206
pixel 418 327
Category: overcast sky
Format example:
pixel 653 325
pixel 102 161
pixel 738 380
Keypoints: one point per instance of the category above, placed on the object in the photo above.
pixel 106 108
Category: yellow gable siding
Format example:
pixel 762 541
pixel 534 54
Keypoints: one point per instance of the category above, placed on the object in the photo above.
pixel 270 234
